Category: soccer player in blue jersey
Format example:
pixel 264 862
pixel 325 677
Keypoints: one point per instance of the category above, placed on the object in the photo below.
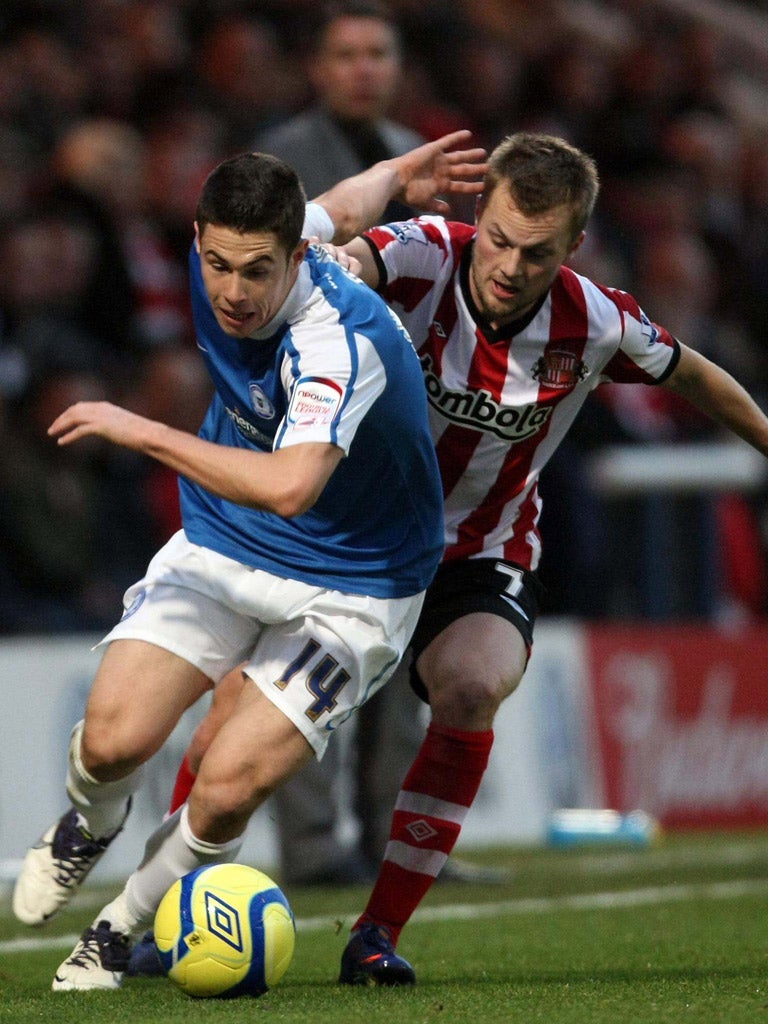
pixel 312 514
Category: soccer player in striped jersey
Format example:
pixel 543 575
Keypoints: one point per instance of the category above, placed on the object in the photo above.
pixel 511 342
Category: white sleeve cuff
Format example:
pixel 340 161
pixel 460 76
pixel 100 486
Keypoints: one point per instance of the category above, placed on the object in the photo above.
pixel 317 223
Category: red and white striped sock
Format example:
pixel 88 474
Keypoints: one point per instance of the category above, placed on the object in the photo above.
pixel 430 810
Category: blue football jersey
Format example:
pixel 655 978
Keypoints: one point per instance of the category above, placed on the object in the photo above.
pixel 335 365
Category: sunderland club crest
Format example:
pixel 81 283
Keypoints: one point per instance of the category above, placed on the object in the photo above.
pixel 559 369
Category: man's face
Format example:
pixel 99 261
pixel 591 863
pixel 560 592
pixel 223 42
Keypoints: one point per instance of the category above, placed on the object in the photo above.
pixel 247 277
pixel 357 68
pixel 516 258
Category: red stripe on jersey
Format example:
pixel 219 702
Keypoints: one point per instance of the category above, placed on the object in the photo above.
pixel 568 330
pixel 457 445
pixel 488 371
pixel 454 451
pixel 461 235
pixel 570 321
pixel 489 366
pixel 379 236
pixel 446 315
pixel 627 303
pixel 441 329
pixel 433 234
pixel 621 368
pixel 508 484
pixel 568 326
pixel 518 547
pixel 623 301
pixel 408 291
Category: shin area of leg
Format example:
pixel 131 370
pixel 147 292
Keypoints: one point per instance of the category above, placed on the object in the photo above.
pixel 172 851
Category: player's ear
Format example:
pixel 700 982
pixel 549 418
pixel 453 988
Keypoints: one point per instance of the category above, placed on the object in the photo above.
pixel 577 242
pixel 479 207
pixel 197 238
pixel 299 252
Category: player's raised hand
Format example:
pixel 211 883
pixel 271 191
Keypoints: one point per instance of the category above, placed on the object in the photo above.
pixel 419 178
pixel 438 168
pixel 101 419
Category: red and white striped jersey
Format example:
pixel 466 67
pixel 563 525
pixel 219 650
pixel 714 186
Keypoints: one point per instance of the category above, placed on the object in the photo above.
pixel 501 401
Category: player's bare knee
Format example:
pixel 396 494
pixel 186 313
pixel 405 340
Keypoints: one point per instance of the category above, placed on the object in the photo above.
pixel 469 702
pixel 220 810
pixel 106 763
pixel 108 752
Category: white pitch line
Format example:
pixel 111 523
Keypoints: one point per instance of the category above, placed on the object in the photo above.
pixel 476 911
pixel 617 861
pixel 596 900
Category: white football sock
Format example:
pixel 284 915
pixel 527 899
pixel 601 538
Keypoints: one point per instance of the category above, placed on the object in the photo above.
pixel 172 851
pixel 102 806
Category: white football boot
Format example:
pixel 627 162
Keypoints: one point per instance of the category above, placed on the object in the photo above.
pixel 98 961
pixel 54 868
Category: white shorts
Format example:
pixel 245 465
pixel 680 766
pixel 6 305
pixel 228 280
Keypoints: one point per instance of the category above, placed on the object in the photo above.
pixel 317 654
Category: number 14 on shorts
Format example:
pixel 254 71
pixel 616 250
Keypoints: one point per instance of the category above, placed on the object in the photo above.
pixel 324 678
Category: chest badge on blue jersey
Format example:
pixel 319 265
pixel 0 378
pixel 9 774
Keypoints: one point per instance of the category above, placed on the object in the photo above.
pixel 261 404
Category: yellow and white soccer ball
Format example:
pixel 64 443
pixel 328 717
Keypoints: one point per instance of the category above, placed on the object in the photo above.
pixel 225 930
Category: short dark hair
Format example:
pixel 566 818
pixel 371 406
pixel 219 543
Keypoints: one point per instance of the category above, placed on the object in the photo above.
pixel 544 171
pixel 254 192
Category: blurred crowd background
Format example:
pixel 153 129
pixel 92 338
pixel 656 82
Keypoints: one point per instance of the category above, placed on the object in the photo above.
pixel 113 111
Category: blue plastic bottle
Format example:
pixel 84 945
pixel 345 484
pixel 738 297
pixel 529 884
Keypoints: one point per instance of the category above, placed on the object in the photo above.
pixel 577 826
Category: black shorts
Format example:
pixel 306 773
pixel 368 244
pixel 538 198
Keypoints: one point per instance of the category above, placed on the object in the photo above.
pixel 476 585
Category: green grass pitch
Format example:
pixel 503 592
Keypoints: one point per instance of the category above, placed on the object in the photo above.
pixel 675 933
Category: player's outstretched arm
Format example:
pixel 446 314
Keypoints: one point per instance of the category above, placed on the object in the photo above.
pixel 419 178
pixel 287 481
pixel 715 392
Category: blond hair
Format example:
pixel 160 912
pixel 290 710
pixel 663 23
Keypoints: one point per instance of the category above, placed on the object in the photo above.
pixel 542 172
